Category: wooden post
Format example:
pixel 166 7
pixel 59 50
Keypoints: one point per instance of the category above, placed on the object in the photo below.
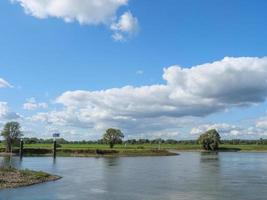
pixel 55 149
pixel 21 149
pixel 10 158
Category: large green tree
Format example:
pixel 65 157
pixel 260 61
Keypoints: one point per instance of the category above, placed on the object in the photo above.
pixel 112 136
pixel 210 140
pixel 11 132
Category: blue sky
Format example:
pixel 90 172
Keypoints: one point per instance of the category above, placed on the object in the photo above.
pixel 47 50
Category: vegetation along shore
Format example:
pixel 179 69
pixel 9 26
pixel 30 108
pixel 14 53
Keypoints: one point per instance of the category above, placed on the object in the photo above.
pixel 112 144
pixel 12 178
pixel 137 149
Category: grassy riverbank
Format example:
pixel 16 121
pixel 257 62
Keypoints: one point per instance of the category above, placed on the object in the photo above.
pixel 144 147
pixel 12 178
pixel 93 150
pixel 223 147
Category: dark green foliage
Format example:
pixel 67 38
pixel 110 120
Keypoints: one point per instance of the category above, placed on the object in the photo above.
pixel 11 133
pixel 112 137
pixel 105 152
pixel 210 140
pixel 34 140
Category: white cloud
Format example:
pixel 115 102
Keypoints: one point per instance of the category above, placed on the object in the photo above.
pixel 32 104
pixel 261 123
pixel 3 109
pixel 4 83
pixel 5 112
pixel 88 12
pixel 126 26
pixel 225 130
pixel 231 131
pixel 235 81
pixel 196 91
pixel 83 11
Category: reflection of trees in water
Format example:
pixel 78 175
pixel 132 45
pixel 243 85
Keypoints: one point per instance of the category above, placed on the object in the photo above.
pixel 112 169
pixel 209 156
pixel 109 162
pixel 210 173
pixel 6 161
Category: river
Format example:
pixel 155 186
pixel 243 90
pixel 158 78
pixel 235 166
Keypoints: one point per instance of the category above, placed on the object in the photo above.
pixel 189 176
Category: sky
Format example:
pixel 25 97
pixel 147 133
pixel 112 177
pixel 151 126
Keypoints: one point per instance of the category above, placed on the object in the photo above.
pixel 154 69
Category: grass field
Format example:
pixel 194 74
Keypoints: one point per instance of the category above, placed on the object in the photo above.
pixel 182 147
pixel 94 150
pixel 250 147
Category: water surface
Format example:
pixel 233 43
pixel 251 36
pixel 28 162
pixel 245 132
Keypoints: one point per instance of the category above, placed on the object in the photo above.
pixel 190 176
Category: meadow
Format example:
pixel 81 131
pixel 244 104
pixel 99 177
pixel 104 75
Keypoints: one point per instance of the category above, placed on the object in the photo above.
pixel 121 147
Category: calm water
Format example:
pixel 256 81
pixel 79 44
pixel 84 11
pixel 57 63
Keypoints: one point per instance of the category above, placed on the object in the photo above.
pixel 190 176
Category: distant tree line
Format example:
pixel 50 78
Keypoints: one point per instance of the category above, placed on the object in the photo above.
pixel 34 140
pixel 210 140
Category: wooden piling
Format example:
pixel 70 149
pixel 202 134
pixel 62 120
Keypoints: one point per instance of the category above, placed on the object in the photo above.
pixel 55 149
pixel 21 149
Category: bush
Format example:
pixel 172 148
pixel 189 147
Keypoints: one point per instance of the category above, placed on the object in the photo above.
pixel 210 140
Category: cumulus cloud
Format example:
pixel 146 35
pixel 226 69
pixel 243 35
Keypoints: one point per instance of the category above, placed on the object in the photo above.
pixel 85 12
pixel 4 83
pixel 236 81
pixel 32 104
pixel 126 26
pixel 6 114
pixel 188 92
pixel 225 130
pixel 3 109
pixel 261 124
pixel 231 131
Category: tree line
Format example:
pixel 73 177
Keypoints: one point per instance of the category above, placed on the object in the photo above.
pixel 209 140
pixel 34 140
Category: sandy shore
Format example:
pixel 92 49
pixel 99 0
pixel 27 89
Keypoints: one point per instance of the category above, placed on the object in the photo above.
pixel 12 178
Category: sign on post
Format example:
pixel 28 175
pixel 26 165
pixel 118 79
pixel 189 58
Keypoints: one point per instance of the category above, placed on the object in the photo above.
pixel 56 135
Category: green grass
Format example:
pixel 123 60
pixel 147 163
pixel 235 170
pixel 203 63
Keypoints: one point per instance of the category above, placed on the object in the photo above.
pixel 145 147
pixel 247 147
pixel 34 174
pixel 117 147
pixel 91 149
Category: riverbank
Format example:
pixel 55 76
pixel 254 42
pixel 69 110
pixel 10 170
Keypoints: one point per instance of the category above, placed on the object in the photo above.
pixel 99 150
pixel 114 153
pixel 225 148
pixel 13 178
pixel 89 152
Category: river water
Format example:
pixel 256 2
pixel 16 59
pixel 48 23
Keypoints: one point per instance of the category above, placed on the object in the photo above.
pixel 189 176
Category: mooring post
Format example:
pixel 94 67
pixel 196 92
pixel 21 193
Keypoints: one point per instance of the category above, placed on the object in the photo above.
pixel 21 148
pixel 55 149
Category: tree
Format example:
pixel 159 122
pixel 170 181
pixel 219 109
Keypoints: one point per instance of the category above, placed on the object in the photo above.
pixel 11 133
pixel 210 140
pixel 112 137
